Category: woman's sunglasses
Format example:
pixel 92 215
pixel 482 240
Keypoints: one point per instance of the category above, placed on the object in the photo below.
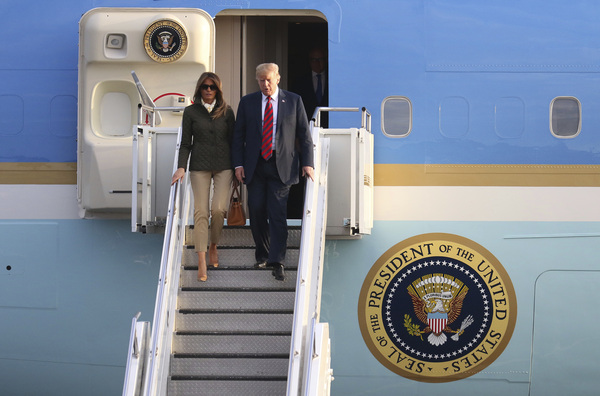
pixel 205 87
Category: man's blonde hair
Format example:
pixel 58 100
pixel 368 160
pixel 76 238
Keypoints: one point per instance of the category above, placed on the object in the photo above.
pixel 266 68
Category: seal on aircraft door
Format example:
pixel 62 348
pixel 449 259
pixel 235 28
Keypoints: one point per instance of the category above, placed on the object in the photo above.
pixel 165 41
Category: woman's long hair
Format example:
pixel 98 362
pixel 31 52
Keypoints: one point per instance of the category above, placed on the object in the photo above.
pixel 220 105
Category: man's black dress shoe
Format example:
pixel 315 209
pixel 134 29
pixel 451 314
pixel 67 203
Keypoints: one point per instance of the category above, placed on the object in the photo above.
pixel 278 272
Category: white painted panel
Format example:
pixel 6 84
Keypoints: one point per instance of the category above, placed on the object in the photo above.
pixel 453 203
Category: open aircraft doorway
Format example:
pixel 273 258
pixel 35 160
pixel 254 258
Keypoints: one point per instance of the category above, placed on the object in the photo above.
pixel 247 38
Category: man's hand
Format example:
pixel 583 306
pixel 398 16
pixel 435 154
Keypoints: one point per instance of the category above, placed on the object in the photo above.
pixel 308 171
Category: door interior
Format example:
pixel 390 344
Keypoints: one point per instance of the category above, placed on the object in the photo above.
pixel 247 38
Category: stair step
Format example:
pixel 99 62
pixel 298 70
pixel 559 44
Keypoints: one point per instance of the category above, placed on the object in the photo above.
pixel 235 257
pixel 231 344
pixel 240 279
pixel 229 388
pixel 242 236
pixel 234 323
pixel 236 300
pixel 223 368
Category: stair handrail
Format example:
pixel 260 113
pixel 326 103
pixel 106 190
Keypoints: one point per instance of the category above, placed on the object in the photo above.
pixel 310 271
pixel 155 357
pixel 147 377
pixel 136 353
pixel 157 372
pixel 310 353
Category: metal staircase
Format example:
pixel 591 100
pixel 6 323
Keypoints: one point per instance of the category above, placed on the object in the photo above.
pixel 241 332
pixel 232 333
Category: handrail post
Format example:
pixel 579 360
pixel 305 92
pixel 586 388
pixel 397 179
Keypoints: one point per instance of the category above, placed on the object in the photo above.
pixel 366 119
pixel 136 357
pixel 317 114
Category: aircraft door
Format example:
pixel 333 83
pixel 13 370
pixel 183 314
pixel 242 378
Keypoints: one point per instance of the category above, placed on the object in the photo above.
pixel 167 49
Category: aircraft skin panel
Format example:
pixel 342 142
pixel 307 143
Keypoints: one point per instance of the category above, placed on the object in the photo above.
pixel 467 203
pixel 46 119
pixel 29 201
pixel 559 338
pixel 59 378
pixel 528 242
pixel 527 250
pixel 68 291
pixel 562 64
pixel 480 162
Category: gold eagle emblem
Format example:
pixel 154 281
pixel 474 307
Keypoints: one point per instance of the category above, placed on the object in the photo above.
pixel 437 301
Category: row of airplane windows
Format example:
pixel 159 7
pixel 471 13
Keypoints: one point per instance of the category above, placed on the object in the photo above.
pixel 396 116
pixel 565 117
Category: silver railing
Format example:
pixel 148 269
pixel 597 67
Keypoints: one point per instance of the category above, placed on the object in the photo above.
pixel 138 345
pixel 309 367
pixel 309 372
pixel 365 115
pixel 148 363
pixel 155 358
pixel 166 297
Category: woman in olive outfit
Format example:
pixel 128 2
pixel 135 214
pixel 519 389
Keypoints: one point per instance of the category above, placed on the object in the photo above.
pixel 207 130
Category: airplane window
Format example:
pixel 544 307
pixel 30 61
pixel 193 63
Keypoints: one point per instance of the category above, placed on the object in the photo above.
pixel 454 117
pixel 396 116
pixel 63 116
pixel 12 114
pixel 509 117
pixel 565 117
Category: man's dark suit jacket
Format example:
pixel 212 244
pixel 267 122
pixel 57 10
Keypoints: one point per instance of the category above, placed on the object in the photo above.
pixel 304 87
pixel 294 146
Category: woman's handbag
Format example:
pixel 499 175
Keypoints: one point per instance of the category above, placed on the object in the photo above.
pixel 236 215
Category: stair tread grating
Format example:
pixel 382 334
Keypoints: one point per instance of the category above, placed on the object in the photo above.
pixel 229 387
pixel 232 356
pixel 188 311
pixel 237 279
pixel 227 378
pixel 234 343
pixel 242 236
pixel 239 367
pixel 232 334
pixel 236 257
pixel 198 298
pixel 234 322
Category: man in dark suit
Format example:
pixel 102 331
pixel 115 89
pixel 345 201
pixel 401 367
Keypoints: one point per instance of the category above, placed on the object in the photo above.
pixel 313 89
pixel 271 142
pixel 313 86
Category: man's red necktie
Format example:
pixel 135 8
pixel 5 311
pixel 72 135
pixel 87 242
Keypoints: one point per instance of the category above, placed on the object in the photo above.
pixel 267 137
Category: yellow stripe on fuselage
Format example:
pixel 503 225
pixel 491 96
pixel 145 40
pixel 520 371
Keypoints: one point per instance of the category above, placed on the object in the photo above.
pixel 385 174
pixel 38 173
pixel 487 175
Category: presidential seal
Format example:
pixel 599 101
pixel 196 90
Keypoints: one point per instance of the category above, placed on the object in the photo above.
pixel 165 41
pixel 437 308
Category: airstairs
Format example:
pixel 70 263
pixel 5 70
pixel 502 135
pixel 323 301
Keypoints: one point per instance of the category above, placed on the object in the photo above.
pixel 242 332
pixel 233 333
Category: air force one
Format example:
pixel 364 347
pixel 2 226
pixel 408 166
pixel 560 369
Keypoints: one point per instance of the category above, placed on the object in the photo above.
pixel 448 245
